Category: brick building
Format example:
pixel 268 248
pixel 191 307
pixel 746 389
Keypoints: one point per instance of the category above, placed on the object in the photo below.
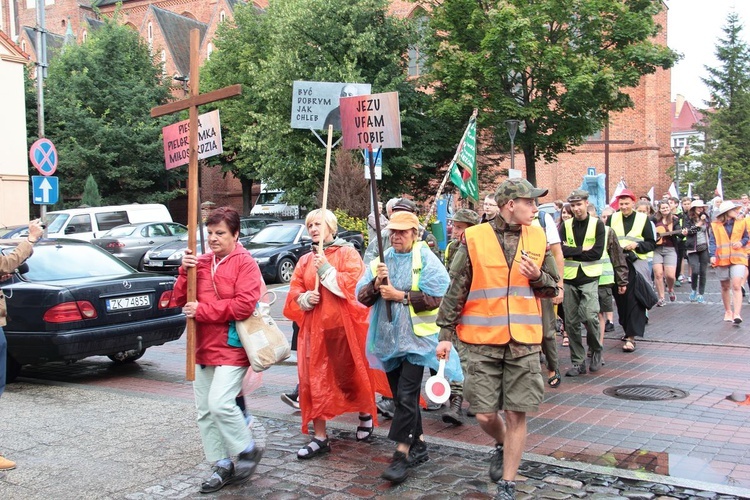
pixel 637 151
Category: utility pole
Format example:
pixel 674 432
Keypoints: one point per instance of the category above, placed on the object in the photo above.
pixel 41 74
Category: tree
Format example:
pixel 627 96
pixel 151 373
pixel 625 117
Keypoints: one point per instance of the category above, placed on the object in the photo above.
pixel 97 104
pixel 334 41
pixel 91 196
pixel 726 126
pixel 560 67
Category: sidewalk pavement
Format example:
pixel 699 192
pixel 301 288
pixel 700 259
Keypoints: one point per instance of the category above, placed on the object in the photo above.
pixel 130 433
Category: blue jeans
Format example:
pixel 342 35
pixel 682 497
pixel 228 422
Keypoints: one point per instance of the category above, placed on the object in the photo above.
pixel 3 359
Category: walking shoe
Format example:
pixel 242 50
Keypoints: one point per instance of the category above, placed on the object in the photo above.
pixel 576 370
pixel 6 464
pixel 398 471
pixel 418 453
pixel 672 296
pixel 728 316
pixel 454 414
pixel 660 303
pixel 496 463
pixel 689 279
pixel 596 361
pixel 247 463
pixel 681 278
pixel 220 477
pixel 737 320
pixel 678 283
pixel 700 299
pixel 386 407
pixel 292 398
pixel 506 490
pixel 609 326
pixel 693 296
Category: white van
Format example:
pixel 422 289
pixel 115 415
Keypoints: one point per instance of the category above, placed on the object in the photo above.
pixel 85 223
pixel 270 202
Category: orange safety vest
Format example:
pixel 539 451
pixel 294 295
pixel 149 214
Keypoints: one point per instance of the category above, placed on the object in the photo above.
pixel 501 304
pixel 725 254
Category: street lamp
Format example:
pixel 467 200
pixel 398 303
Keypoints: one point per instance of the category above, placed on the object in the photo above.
pixel 677 151
pixel 512 129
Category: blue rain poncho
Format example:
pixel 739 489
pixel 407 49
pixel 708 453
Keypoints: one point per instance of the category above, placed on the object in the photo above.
pixel 389 343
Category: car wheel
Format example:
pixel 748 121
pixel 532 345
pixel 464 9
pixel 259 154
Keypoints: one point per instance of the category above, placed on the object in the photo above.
pixel 285 270
pixel 12 369
pixel 125 357
pixel 140 264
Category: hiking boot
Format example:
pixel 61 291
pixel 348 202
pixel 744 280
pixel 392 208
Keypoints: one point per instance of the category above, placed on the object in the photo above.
pixel 596 361
pixel 291 398
pixel 609 326
pixel 506 490
pixel 418 453
pixel 496 463
pixel 576 370
pixel 398 471
pixel 454 414
pixel 386 407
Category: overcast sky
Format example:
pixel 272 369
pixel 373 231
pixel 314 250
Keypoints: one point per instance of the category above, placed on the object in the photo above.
pixel 695 27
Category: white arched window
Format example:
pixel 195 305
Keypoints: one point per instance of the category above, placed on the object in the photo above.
pixel 150 33
pixel 163 63
pixel 209 50
pixel 85 35
pixel 23 45
pixel 222 16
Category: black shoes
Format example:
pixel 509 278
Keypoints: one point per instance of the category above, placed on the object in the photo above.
pixel 386 407
pixel 247 463
pixel 576 370
pixel 292 398
pixel 609 326
pixel 398 471
pixel 506 490
pixel 418 453
pixel 454 414
pixel 496 463
pixel 220 477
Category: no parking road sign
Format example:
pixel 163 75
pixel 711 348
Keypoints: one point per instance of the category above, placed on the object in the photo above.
pixel 45 190
pixel 43 156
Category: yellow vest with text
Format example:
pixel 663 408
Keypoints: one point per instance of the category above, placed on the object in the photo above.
pixel 501 304
pixel 423 323
pixel 635 234
pixel 591 269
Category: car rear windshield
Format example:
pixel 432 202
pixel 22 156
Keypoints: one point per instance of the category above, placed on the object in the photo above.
pixel 276 234
pixel 68 261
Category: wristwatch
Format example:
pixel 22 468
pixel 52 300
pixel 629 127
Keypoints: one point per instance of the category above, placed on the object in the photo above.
pixel 405 300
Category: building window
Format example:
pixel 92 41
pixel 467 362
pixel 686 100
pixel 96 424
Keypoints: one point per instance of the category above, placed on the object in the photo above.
pixel 163 63
pixel 150 34
pixel 417 63
pixel 209 50
pixel 85 35
pixel 23 45
pixel 222 16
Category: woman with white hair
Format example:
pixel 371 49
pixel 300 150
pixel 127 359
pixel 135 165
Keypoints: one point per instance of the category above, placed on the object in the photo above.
pixel 334 375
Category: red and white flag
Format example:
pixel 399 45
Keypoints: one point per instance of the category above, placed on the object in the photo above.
pixel 673 191
pixel 719 189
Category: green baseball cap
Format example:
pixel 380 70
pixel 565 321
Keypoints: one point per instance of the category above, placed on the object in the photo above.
pixel 578 195
pixel 511 189
pixel 467 216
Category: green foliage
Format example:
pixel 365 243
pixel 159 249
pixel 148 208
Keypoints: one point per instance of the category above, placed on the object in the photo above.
pixel 97 103
pixel 352 223
pixel 727 125
pixel 332 41
pixel 561 67
pixel 91 196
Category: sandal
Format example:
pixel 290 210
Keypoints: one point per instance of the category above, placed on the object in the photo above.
pixel 629 346
pixel 566 341
pixel 554 381
pixel 314 448
pixel 364 432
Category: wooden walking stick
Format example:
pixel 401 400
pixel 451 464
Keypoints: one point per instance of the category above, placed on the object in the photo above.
pixel 325 195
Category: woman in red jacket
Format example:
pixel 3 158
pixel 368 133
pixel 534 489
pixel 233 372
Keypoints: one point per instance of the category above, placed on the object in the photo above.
pixel 228 289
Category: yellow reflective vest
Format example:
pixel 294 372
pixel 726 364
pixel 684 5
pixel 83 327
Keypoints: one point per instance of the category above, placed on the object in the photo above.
pixel 608 270
pixel 635 234
pixel 592 269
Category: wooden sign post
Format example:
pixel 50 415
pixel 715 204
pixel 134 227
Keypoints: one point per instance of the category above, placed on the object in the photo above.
pixel 191 103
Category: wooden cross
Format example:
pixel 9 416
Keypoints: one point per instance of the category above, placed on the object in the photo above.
pixel 191 103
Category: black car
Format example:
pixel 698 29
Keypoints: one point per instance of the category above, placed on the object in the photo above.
pixel 72 300
pixel 167 258
pixel 278 247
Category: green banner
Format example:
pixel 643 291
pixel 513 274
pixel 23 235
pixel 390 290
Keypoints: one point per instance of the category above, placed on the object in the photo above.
pixel 464 169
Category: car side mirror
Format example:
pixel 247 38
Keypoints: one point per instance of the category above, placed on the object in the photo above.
pixel 305 240
pixel 70 230
pixel 23 268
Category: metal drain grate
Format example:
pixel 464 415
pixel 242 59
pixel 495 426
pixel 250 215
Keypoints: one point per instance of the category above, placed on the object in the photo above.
pixel 645 392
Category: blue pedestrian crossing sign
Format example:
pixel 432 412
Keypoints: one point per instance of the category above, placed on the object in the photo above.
pixel 45 189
